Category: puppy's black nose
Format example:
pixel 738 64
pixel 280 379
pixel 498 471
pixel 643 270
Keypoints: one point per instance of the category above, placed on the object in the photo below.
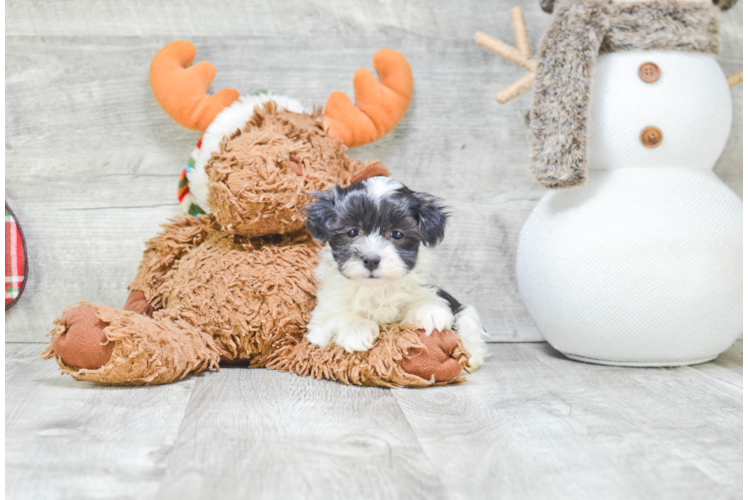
pixel 371 262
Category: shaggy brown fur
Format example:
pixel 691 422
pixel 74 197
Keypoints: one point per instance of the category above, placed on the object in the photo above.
pixel 239 284
pixel 382 366
pixel 251 194
pixel 145 351
pixel 579 30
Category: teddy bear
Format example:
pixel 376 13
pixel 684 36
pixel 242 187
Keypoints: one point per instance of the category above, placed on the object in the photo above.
pixel 232 280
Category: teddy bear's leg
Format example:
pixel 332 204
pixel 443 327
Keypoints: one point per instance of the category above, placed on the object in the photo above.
pixel 114 347
pixel 401 356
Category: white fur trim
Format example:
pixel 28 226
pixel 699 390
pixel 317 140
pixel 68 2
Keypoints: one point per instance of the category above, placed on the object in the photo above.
pixel 226 123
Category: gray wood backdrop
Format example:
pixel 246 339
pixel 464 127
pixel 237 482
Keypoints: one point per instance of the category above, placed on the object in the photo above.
pixel 92 162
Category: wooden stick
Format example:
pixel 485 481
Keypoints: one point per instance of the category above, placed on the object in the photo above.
pixel 515 89
pixel 520 32
pixel 735 78
pixel 506 51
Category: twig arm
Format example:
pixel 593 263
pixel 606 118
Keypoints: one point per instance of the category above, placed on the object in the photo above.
pixel 506 51
pixel 515 89
pixel 521 56
pixel 520 32
pixel 735 78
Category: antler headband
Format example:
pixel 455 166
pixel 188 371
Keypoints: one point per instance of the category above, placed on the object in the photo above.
pixel 181 90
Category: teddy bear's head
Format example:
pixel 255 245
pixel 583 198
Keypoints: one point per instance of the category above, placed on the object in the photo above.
pixel 260 155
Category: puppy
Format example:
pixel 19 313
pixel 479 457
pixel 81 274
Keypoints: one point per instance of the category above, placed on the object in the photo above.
pixel 376 267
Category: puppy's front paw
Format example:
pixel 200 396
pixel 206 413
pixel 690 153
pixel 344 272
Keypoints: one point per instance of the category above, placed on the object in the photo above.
pixel 358 335
pixel 469 328
pixel 318 335
pixel 477 350
pixel 431 317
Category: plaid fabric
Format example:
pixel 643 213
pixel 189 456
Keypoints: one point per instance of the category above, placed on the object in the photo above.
pixel 15 259
pixel 186 198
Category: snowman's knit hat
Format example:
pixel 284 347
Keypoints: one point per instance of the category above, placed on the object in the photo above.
pixel 578 32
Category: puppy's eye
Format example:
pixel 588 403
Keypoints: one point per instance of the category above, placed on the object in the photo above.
pixel 352 233
pixel 396 235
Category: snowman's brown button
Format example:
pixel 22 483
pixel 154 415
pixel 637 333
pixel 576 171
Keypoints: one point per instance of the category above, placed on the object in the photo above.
pixel 651 137
pixel 649 72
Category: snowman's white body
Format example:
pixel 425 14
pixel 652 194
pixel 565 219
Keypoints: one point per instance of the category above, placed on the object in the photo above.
pixel 642 265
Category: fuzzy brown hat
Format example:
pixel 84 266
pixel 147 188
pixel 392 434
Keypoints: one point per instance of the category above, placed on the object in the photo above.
pixel 578 32
pixel 562 73
pixel 547 5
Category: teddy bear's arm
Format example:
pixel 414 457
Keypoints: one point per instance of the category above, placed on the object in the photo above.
pixel 402 356
pixel 179 236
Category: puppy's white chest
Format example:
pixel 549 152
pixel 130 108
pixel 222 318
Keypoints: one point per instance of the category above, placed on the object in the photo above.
pixel 379 305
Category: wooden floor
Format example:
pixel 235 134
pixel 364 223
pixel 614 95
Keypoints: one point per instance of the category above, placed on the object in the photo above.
pixel 531 424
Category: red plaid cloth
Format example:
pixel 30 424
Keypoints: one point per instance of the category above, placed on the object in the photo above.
pixel 15 258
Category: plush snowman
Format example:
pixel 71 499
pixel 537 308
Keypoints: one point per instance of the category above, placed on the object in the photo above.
pixel 635 258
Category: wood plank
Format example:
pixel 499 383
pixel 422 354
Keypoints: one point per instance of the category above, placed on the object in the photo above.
pixel 288 19
pixel 533 424
pixel 17 356
pixel 731 165
pixel 727 368
pixel 263 434
pixel 67 439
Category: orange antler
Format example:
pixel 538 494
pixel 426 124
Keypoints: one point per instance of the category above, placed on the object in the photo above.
pixel 182 90
pixel 520 56
pixel 379 106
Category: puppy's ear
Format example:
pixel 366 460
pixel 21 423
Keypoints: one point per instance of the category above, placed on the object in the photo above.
pixel 321 213
pixel 432 218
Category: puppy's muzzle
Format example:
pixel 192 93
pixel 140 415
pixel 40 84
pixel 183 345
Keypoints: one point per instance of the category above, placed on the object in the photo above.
pixel 371 262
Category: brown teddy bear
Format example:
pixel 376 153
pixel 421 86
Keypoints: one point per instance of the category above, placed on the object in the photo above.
pixel 232 280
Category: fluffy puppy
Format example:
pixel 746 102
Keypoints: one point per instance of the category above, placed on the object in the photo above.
pixel 376 267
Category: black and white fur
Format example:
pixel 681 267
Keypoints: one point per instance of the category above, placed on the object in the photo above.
pixel 376 267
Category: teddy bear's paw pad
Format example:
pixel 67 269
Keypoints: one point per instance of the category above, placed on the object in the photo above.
pixel 82 343
pixel 435 360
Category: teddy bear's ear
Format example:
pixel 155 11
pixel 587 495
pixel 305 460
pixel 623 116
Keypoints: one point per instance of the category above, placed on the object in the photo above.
pixel 181 90
pixel 371 171
pixel 379 105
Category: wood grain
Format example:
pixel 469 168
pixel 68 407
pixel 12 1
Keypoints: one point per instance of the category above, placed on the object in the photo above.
pixel 731 60
pixel 530 424
pixel 288 19
pixel 92 162
pixel 533 422
pixel 274 435
pixel 73 440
